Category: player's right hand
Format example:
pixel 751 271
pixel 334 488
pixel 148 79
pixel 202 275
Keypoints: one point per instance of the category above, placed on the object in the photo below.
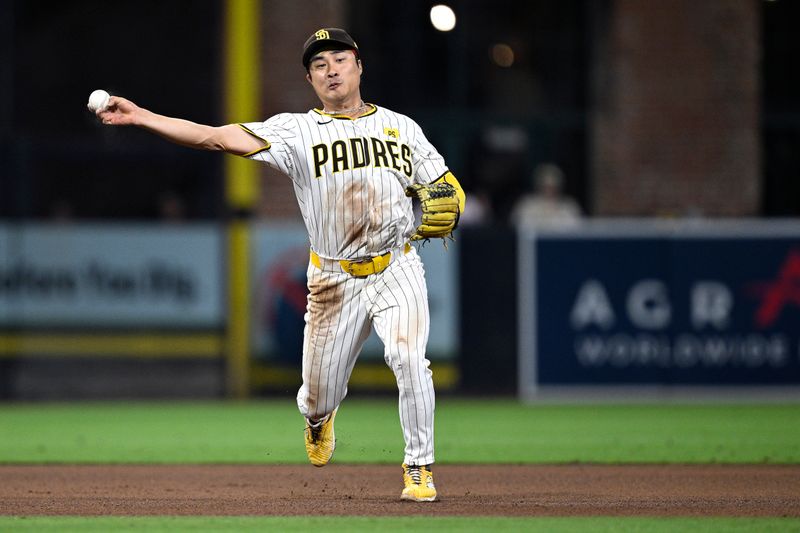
pixel 118 112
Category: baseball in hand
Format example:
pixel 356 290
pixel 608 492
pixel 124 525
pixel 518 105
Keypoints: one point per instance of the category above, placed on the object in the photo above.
pixel 98 100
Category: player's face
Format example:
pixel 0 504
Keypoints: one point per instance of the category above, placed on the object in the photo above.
pixel 336 77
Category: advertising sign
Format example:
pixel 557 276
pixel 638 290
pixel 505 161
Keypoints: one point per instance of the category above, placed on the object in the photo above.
pixel 691 304
pixel 117 275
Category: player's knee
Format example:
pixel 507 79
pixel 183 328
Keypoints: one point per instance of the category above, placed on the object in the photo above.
pixel 404 359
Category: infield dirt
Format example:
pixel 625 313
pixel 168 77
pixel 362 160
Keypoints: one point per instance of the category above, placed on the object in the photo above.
pixel 487 490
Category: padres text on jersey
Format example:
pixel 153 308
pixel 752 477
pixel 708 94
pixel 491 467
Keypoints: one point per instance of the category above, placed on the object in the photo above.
pixel 360 153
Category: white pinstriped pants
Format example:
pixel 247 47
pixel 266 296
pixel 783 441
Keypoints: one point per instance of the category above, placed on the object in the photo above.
pixel 339 313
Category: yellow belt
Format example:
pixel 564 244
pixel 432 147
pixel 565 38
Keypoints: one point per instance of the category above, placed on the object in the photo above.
pixel 361 269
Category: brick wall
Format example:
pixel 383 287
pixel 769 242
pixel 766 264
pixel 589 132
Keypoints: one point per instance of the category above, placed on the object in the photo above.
pixel 287 24
pixel 675 107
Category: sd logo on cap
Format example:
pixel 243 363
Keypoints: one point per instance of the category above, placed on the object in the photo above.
pixel 327 39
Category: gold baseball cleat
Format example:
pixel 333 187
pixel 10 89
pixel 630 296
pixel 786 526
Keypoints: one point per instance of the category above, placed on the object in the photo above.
pixel 320 441
pixel 419 483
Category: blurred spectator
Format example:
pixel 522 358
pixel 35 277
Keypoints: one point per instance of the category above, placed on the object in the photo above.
pixel 546 206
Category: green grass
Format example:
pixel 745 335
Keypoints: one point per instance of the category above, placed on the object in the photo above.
pixel 467 431
pixel 389 524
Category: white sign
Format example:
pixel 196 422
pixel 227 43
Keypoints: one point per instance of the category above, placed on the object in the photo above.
pixel 121 275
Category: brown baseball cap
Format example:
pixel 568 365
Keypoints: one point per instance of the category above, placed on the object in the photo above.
pixel 327 39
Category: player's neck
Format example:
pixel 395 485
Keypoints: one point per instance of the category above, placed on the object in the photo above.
pixel 351 107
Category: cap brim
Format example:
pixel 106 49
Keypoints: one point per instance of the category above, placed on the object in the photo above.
pixel 323 46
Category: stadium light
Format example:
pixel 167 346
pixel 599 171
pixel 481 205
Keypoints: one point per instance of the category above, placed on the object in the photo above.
pixel 443 17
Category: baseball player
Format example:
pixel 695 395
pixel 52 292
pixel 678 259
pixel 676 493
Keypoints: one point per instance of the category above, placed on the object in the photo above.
pixel 355 168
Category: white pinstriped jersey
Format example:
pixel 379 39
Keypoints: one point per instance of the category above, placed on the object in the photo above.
pixel 350 175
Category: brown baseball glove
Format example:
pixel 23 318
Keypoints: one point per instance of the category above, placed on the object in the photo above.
pixel 440 211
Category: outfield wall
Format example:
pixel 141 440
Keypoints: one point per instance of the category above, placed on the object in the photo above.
pixel 659 305
pixel 142 309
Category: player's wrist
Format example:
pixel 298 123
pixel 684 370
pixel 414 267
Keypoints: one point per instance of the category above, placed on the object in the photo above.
pixel 141 117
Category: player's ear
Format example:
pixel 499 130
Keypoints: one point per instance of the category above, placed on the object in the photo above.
pixel 360 66
pixel 308 78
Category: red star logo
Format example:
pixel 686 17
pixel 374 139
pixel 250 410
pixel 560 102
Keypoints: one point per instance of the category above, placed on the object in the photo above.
pixel 776 295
